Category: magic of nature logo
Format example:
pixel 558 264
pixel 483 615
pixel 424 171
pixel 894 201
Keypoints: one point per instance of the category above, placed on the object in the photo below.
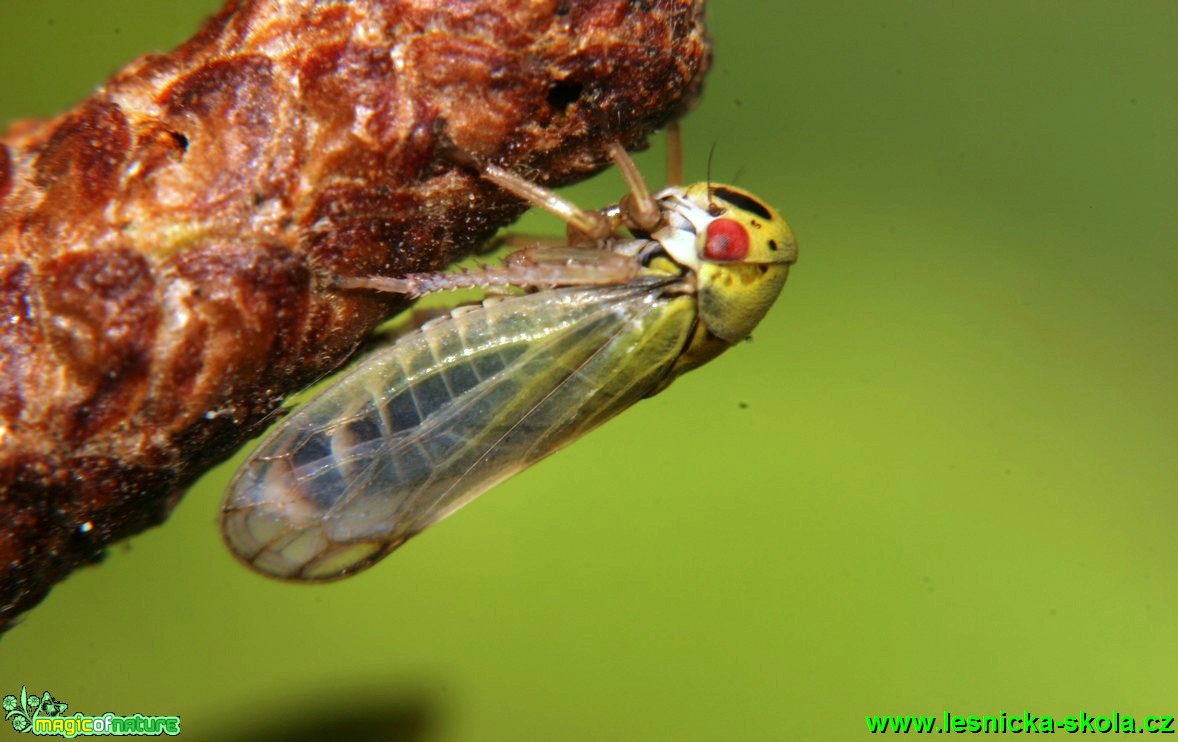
pixel 45 715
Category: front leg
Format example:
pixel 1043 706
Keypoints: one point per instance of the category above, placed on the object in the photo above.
pixel 538 267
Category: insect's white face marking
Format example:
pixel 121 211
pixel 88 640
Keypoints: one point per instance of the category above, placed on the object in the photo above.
pixel 684 222
pixel 421 427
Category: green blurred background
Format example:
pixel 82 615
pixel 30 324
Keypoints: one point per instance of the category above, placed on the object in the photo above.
pixel 943 477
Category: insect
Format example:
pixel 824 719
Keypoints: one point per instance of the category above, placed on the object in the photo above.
pixel 423 426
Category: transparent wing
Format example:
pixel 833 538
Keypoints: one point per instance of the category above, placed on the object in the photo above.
pixel 424 426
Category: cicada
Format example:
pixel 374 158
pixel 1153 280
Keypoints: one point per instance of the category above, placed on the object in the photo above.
pixel 641 292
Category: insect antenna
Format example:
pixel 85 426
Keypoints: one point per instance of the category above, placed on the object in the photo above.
pixel 713 208
pixel 737 176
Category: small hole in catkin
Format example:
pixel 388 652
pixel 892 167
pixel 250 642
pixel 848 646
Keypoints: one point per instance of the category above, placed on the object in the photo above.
pixel 564 93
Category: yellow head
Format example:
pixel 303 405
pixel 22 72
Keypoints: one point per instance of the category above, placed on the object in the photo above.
pixel 745 252
pixel 739 250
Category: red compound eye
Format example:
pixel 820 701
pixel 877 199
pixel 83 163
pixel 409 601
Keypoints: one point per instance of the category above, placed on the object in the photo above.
pixel 727 240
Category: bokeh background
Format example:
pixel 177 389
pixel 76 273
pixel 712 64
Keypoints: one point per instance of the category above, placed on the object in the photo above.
pixel 943 476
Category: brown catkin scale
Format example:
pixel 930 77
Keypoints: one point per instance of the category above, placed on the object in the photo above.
pixel 161 245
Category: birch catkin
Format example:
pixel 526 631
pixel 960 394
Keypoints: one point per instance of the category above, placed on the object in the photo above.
pixel 162 244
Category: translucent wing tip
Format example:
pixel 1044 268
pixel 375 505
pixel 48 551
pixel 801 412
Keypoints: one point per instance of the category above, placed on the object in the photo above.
pixel 266 542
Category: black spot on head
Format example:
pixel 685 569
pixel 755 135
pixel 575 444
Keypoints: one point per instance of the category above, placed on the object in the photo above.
pixel 772 244
pixel 564 93
pixel 741 201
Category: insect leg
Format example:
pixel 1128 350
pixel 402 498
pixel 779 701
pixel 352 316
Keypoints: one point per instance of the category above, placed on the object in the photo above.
pixel 551 266
pixel 592 224
pixel 639 209
pixel 535 267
